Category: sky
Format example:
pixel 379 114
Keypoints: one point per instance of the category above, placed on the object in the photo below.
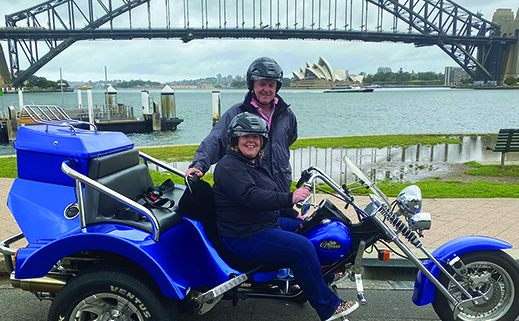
pixel 169 60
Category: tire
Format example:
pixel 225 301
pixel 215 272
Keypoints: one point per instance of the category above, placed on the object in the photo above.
pixel 503 304
pixel 101 292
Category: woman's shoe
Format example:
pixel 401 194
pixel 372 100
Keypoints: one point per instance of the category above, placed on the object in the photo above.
pixel 337 278
pixel 345 308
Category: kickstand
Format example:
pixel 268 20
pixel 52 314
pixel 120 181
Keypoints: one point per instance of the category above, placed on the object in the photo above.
pixel 235 298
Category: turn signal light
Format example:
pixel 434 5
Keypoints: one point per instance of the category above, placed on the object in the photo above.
pixel 383 255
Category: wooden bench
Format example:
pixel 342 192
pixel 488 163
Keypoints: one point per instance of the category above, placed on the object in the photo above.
pixel 507 141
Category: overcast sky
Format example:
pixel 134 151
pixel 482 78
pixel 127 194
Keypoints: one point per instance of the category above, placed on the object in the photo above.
pixel 169 60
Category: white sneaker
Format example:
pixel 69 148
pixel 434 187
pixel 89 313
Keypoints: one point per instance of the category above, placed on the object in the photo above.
pixel 345 308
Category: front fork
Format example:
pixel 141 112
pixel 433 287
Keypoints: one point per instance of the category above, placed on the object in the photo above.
pixel 457 265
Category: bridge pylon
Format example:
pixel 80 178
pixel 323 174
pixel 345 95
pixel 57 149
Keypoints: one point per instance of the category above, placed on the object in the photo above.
pixel 5 77
pixel 510 28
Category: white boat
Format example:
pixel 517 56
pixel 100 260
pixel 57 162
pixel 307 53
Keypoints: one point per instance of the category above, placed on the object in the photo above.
pixel 349 89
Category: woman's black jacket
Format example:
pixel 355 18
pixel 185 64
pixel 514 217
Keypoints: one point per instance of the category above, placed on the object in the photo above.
pixel 246 198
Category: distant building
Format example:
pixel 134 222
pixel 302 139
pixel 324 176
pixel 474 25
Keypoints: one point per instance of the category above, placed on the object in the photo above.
pixel 454 75
pixel 383 70
pixel 321 75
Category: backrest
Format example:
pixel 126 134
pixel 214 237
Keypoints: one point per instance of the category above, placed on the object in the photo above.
pixel 508 138
pixel 121 172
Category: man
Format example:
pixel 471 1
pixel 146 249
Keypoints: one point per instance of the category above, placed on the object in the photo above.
pixel 264 79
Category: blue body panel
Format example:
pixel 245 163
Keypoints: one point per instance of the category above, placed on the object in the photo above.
pixel 334 231
pixel 424 289
pixel 38 208
pixel 181 259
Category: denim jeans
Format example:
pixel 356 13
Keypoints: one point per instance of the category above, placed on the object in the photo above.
pixel 278 247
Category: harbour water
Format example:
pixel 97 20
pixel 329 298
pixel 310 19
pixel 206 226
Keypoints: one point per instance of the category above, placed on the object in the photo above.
pixel 385 111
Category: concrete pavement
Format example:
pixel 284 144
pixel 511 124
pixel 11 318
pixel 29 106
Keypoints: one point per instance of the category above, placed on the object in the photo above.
pixel 451 218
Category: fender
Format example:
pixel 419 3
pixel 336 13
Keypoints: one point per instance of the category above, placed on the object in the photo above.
pixel 178 263
pixel 424 289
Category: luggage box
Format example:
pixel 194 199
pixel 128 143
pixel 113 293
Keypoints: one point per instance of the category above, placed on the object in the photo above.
pixel 40 150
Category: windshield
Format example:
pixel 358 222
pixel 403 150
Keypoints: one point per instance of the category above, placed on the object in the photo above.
pixel 374 189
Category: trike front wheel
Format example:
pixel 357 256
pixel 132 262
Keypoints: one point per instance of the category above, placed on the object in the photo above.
pixel 494 270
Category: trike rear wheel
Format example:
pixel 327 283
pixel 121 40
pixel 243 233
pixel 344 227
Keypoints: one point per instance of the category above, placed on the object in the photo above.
pixel 109 292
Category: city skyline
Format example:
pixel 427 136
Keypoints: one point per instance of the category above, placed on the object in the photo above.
pixel 172 60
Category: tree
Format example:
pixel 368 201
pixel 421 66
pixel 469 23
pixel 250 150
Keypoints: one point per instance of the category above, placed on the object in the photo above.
pixel 467 81
pixel 510 81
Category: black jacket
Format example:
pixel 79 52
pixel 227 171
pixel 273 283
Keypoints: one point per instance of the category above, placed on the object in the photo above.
pixel 282 134
pixel 246 198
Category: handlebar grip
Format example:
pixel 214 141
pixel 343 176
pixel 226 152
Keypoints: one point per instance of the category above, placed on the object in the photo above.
pixel 191 180
pixel 300 182
pixel 305 175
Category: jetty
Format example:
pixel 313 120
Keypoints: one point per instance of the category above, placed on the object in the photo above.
pixel 112 116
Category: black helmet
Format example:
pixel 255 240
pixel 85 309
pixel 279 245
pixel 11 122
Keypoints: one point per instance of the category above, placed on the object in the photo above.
pixel 244 124
pixel 262 68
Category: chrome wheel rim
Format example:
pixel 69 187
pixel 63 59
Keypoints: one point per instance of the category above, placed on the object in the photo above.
pixel 106 307
pixel 499 302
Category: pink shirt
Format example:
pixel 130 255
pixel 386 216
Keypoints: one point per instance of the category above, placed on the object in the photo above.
pixel 260 111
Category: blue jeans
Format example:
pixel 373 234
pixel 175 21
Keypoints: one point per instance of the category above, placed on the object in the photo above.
pixel 278 247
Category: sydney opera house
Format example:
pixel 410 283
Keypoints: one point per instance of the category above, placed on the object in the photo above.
pixel 322 75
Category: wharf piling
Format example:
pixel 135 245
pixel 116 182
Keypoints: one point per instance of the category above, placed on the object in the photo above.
pixel 169 118
pixel 216 106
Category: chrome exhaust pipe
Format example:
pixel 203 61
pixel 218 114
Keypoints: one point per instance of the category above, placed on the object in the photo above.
pixel 51 283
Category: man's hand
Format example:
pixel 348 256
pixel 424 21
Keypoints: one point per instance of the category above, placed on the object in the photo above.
pixel 196 171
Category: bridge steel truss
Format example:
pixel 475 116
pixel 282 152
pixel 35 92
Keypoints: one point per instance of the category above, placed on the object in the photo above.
pixel 472 42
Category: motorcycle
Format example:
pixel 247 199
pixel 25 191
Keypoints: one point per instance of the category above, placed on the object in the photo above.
pixel 105 243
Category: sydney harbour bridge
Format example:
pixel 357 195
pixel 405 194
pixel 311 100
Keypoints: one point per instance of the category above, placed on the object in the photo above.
pixel 38 34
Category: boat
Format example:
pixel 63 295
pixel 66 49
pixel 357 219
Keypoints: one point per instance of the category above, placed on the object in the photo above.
pixel 374 86
pixel 349 89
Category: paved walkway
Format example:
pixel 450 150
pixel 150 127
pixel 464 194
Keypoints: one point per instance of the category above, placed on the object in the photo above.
pixel 451 218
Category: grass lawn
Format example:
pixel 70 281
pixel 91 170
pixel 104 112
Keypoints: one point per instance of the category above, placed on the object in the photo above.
pixel 430 188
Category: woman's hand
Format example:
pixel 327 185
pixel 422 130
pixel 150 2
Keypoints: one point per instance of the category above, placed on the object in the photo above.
pixel 300 194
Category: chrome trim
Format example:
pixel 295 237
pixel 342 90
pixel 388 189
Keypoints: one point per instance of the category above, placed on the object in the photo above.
pixel 8 252
pixel 157 162
pixel 80 178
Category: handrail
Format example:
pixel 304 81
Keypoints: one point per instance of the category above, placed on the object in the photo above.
pixel 61 119
pixel 113 194
pixel 157 162
pixel 8 252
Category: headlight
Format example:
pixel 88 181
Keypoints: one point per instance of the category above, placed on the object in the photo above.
pixel 420 222
pixel 410 200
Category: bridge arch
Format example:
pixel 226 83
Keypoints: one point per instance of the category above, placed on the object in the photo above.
pixel 45 30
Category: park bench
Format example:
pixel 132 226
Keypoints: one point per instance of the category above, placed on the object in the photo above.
pixel 507 141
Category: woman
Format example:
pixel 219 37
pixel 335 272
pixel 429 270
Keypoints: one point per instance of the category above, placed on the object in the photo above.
pixel 248 205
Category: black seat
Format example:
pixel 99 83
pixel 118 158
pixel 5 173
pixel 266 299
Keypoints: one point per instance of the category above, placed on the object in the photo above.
pixel 123 173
